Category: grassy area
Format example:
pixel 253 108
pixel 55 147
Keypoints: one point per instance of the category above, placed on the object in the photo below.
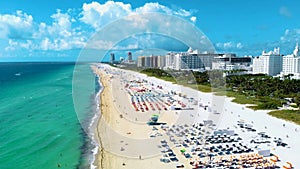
pixel 204 88
pixel 241 99
pixel 290 115
pixel 238 98
pixel 177 80
pixel 267 103
pixel 168 78
pixel 258 103
pixel 200 87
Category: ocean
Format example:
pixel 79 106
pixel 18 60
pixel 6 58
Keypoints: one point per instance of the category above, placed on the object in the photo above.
pixel 40 126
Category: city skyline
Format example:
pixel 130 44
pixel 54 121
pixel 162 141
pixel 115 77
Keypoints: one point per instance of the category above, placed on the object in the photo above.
pixel 62 29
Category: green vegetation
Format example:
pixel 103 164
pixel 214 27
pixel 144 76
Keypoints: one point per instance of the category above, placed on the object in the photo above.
pixel 267 92
pixel 204 88
pixel 159 74
pixel 241 99
pixel 290 115
pixel 294 106
pixel 267 103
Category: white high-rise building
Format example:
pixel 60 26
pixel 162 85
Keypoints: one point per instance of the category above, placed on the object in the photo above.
pixel 291 63
pixel 161 62
pixel 192 59
pixel 269 63
pixel 171 60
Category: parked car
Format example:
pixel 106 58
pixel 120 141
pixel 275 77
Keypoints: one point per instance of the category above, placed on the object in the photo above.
pixel 187 155
pixel 165 160
pixel 173 159
pixel 180 166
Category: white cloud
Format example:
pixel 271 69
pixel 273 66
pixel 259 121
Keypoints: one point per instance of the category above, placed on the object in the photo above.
pixel 290 36
pixel 56 44
pixel 100 45
pixel 17 26
pixel 153 7
pixel 17 44
pixel 60 27
pixel 284 11
pixel 182 12
pixel 97 15
pixel 138 42
pixel 65 30
pixel 128 47
pixel 11 45
pixel 193 19
pixel 59 35
pixel 62 24
pixel 239 45
pixel 46 44
pixel 137 21
pixel 229 45
pixel 150 41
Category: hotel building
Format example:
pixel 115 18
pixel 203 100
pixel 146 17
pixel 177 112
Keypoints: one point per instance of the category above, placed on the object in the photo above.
pixel 231 62
pixel 151 61
pixel 291 63
pixel 269 63
pixel 190 60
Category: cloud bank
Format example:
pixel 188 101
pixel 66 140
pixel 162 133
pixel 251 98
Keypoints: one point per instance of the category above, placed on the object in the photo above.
pixel 71 30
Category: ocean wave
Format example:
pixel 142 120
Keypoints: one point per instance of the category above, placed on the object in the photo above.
pixel 93 125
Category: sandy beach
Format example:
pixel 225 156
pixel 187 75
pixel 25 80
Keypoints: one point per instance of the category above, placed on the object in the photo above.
pixel 115 132
pixel 125 139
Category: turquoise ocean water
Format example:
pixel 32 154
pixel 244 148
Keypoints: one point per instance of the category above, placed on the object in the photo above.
pixel 39 128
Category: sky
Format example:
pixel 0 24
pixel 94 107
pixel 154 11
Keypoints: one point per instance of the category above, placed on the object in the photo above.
pixel 59 30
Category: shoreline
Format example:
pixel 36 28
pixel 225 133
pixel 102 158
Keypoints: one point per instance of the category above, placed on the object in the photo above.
pixel 99 153
pixel 103 157
pixel 92 127
pixel 94 121
pixel 96 140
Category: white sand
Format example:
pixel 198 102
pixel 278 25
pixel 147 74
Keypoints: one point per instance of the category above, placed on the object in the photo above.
pixel 125 136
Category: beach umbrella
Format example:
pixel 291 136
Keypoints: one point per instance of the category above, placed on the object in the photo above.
pixel 290 164
pixel 210 156
pixel 182 150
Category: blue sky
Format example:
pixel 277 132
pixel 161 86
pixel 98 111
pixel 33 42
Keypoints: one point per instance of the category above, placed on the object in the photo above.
pixel 59 29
